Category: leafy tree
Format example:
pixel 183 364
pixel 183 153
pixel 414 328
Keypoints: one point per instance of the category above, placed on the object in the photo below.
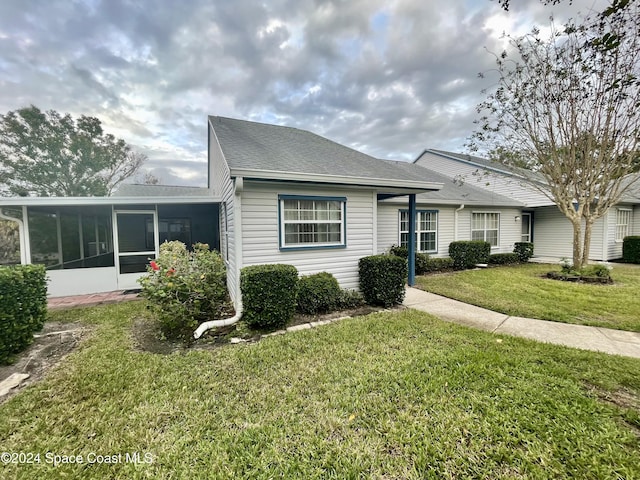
pixel 570 105
pixel 47 154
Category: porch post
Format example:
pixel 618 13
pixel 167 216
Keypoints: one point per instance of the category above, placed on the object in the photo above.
pixel 411 244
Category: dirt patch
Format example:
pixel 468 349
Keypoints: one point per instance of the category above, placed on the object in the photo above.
pixel 627 400
pixel 50 346
pixel 146 335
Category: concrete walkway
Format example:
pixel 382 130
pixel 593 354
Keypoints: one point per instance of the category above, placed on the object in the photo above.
pixel 598 339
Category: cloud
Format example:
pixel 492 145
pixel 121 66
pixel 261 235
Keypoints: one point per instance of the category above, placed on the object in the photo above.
pixel 387 77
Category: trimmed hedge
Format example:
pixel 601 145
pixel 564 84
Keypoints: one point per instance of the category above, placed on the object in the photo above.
pixel 524 250
pixel 268 294
pixel 318 293
pixel 468 253
pixel 422 259
pixel 439 265
pixel 631 249
pixel 504 259
pixel 382 279
pixel 23 307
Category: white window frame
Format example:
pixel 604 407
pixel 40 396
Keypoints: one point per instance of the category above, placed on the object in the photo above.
pixel 622 228
pixel 317 201
pixel 485 229
pixel 419 232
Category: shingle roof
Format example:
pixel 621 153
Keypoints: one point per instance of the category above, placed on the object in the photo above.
pixel 455 193
pixel 264 147
pixel 144 190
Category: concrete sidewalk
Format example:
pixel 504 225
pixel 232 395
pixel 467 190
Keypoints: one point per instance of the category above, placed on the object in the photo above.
pixel 598 339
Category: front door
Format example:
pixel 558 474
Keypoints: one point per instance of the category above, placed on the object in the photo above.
pixel 526 228
pixel 136 243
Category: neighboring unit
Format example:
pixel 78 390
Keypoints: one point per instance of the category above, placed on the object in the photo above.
pixel 282 195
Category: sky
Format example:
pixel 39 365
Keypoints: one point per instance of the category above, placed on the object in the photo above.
pixel 389 78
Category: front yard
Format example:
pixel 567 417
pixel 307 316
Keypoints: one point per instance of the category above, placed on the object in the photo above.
pixel 522 291
pixel 390 395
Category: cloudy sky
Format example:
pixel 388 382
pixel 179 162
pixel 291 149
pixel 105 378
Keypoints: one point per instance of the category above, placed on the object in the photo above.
pixel 389 78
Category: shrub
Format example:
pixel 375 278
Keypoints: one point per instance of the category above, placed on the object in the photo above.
pixel 382 279
pixel 402 252
pixel 185 288
pixel 350 299
pixel 439 265
pixel 596 270
pixel 23 307
pixel 469 253
pixel 631 249
pixel 318 293
pixel 422 259
pixel 524 250
pixel 504 258
pixel 422 263
pixel 268 294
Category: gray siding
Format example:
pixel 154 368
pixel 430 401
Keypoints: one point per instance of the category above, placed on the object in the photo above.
pixel 635 222
pixel 553 235
pixel 222 186
pixel 388 226
pixel 260 243
pixel 490 181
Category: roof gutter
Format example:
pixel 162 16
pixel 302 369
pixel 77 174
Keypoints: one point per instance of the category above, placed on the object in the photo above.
pixel 76 201
pixel 339 179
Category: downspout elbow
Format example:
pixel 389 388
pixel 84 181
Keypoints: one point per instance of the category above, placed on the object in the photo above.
pixel 203 327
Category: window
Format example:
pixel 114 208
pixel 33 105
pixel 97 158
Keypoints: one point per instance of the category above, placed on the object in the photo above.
pixel 623 220
pixel 426 230
pixel 486 227
pixel 312 221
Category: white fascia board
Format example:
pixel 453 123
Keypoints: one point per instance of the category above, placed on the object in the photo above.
pixel 78 201
pixel 338 179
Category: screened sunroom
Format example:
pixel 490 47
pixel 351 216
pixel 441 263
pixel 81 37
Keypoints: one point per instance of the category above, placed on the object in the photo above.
pixel 100 244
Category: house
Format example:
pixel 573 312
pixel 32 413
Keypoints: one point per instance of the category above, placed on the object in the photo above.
pixel 275 194
pixel 542 221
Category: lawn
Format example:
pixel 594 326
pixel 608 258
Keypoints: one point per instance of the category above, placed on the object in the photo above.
pixel 390 395
pixel 523 292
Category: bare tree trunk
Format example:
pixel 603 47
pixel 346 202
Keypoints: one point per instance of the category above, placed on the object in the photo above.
pixel 577 242
pixel 586 244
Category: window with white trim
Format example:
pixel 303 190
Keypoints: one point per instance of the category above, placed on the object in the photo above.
pixel 623 220
pixel 485 226
pixel 312 221
pixel 426 230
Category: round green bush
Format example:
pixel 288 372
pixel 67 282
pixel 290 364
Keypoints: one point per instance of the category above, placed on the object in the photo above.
pixel 318 293
pixel 269 294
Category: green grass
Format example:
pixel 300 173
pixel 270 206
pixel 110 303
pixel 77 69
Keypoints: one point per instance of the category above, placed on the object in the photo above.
pixel 521 291
pixel 391 395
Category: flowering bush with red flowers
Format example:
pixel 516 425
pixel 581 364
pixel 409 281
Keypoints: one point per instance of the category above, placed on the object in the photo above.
pixel 186 288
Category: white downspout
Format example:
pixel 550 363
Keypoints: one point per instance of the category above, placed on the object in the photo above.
pixel 23 246
pixel 455 222
pixel 203 327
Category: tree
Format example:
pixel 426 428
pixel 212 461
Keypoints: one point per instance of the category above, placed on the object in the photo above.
pixel 570 105
pixel 47 154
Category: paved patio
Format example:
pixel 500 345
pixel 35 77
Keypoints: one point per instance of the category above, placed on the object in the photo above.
pixel 93 299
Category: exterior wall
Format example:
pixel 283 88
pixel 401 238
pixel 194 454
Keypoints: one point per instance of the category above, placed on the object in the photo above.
pixel 388 226
pixel 260 242
pixel 614 247
pixel 491 181
pixel 223 186
pixel 553 235
pixel 81 281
